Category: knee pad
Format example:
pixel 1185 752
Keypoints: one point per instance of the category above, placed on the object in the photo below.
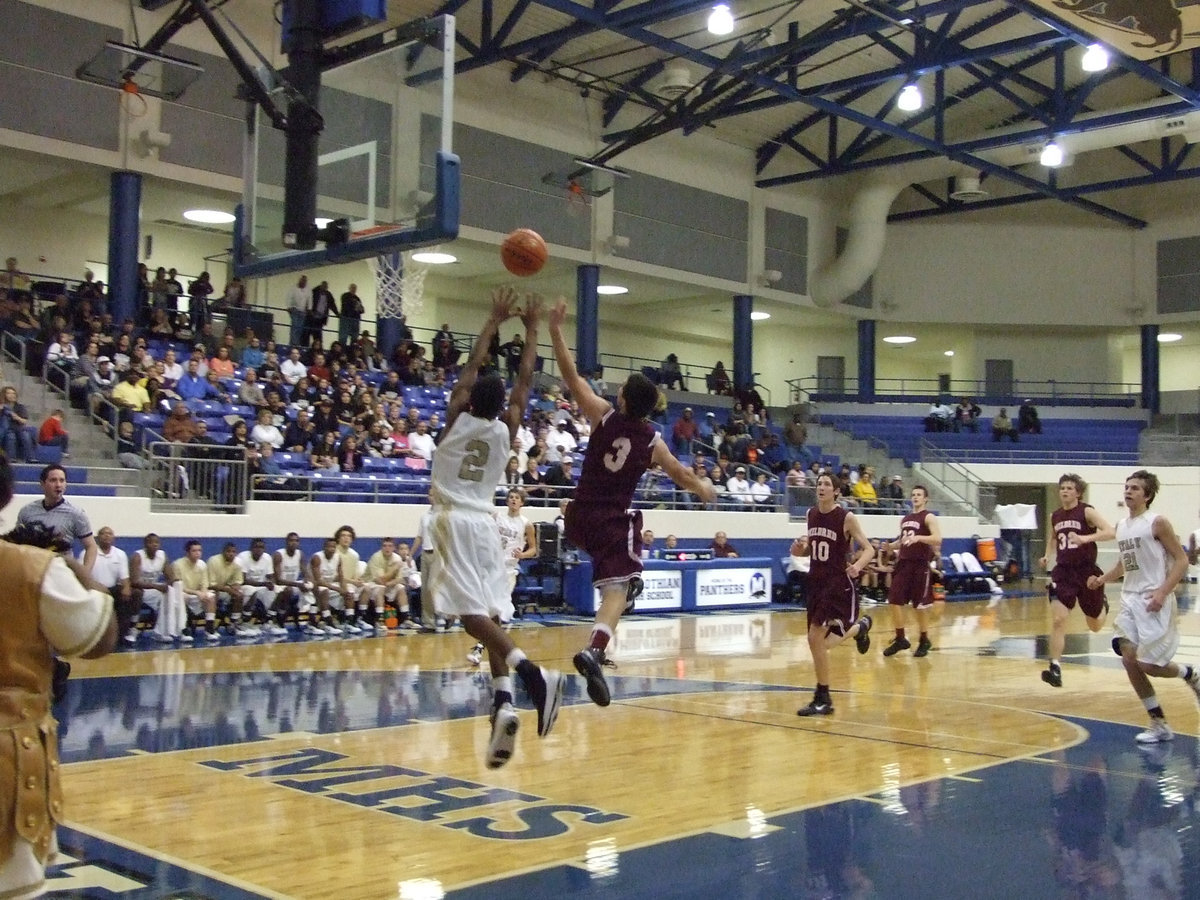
pixel 633 591
pixel 838 629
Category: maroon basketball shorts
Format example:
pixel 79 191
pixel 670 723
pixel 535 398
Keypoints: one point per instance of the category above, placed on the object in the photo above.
pixel 612 537
pixel 911 583
pixel 1069 586
pixel 832 602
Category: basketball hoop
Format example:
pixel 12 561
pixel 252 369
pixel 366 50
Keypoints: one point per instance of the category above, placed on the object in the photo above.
pixel 132 101
pixel 577 198
pixel 399 284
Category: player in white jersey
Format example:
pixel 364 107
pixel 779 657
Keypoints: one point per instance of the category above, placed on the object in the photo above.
pixel 258 586
pixel 518 541
pixel 384 583
pixel 149 576
pixel 325 571
pixel 466 573
pixel 352 581
pixel 292 584
pixel 1147 627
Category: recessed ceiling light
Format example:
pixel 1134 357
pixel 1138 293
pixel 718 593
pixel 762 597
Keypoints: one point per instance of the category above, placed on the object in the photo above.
pixel 909 98
pixel 1095 58
pixel 611 289
pixel 1052 155
pixel 1169 337
pixel 948 353
pixel 899 339
pixel 434 258
pixel 208 216
pixel 760 316
pixel 720 20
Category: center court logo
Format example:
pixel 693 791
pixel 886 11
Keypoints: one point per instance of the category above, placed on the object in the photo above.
pixel 420 796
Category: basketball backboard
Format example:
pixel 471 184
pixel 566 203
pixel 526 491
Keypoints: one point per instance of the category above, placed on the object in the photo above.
pixel 120 66
pixel 386 162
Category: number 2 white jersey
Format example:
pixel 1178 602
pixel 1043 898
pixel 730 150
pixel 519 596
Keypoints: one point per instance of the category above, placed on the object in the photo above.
pixel 468 464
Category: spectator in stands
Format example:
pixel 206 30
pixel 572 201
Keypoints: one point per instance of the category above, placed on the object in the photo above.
pixel 863 490
pixel 292 369
pixel 966 415
pixel 160 324
pixel 53 434
pixel 221 364
pixel 250 392
pixel 234 295
pixel 192 385
pixel 15 428
pixel 940 416
pixel 670 374
pixel 324 418
pixel 721 548
pixel 213 389
pixel 300 434
pixel 1002 426
pixel 1027 419
pixel 795 476
pixel 24 323
pixel 123 354
pixel 129 395
pixel 510 353
pixel 561 440
pixel 254 355
pixel 684 432
pixel 127 450
pixel 349 456
pixel 199 310
pixel 718 381
pixel 102 383
pixel 737 490
pixel 180 427
pixel 649 551
pixel 62 353
pixel 174 289
pixel 13 280
pixel 893 494
pixel 265 430
pixel 774 456
pixel 561 479
pixel 761 494
pixel 325 452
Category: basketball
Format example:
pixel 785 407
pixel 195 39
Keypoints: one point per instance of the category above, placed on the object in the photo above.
pixel 524 252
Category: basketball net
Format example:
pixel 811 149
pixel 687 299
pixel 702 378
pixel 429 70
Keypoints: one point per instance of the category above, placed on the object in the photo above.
pixel 577 199
pixel 399 284
pixel 132 102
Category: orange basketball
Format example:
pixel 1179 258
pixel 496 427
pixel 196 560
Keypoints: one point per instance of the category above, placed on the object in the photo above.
pixel 524 252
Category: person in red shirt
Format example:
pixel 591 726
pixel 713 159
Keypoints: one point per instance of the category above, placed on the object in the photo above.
pixel 52 433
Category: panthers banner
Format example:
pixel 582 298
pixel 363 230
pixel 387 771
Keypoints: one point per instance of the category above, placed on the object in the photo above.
pixel 1143 29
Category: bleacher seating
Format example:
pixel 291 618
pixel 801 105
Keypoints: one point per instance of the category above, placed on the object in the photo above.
pixel 1106 441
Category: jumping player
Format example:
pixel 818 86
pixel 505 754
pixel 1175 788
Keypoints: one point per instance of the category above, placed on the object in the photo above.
pixel 832 596
pixel 466 574
pixel 1075 530
pixel 623 444
pixel 920 540
pixel 1147 627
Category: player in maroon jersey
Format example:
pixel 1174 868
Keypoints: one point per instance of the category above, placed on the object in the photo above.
pixel 623 444
pixel 1074 530
pixel 919 542
pixel 832 595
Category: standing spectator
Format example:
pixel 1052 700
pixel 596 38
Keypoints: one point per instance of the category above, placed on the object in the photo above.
pixel 721 548
pixel 1027 419
pixel 321 306
pixel 13 280
pixel 1002 426
pixel 511 353
pixel 53 434
pixel 174 290
pixel 349 313
pixel 298 299
pixel 50 606
pixel 199 310
pixel 234 295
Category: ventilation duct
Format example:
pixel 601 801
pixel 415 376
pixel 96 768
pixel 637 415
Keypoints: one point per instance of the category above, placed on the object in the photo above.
pixel 676 79
pixel 967 189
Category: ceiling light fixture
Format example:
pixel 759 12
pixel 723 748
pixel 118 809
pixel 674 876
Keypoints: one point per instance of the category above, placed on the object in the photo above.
pixel 1052 155
pixel 208 216
pixel 1169 337
pixel 322 221
pixel 909 99
pixel 611 290
pixel 434 258
pixel 948 353
pixel 899 339
pixel 720 20
pixel 1095 58
pixel 757 316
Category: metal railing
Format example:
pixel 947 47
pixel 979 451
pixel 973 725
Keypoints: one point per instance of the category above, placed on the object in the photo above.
pixel 963 492
pixel 191 477
pixel 926 390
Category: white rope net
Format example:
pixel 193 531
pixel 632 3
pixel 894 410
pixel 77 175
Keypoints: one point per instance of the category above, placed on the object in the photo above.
pixel 399 284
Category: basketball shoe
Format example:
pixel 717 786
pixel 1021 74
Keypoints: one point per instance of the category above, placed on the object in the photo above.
pixel 896 646
pixel 590 664
pixel 1158 732
pixel 863 639
pixel 505 724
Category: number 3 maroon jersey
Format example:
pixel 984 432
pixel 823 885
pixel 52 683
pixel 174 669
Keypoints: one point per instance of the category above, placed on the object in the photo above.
pixel 617 455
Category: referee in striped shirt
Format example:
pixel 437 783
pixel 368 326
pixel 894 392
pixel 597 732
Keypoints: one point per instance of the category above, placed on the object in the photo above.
pixel 59 515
